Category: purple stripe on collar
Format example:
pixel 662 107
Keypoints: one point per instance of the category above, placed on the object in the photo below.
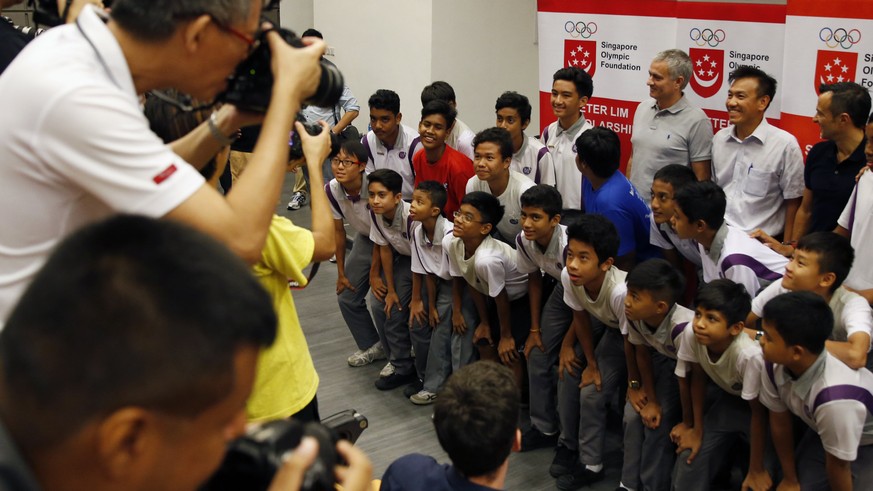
pixel 333 200
pixel 378 226
pixel 677 330
pixel 366 143
pixel 546 134
pixel 844 392
pixel 760 270
pixel 768 367
pixel 409 153
pixel 521 247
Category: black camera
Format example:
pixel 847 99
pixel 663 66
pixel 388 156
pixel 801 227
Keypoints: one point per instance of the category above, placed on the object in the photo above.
pixel 45 12
pixel 295 146
pixel 251 85
pixel 251 461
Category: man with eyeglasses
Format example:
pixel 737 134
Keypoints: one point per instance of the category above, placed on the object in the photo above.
pixel 82 149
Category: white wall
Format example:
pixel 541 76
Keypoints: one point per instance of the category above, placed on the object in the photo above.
pixel 296 15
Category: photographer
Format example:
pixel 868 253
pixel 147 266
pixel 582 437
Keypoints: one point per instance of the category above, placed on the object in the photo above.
pixel 79 148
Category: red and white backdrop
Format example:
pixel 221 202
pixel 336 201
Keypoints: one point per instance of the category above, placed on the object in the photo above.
pixel 615 42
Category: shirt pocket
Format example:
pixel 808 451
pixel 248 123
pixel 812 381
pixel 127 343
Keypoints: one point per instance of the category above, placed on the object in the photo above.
pixel 757 183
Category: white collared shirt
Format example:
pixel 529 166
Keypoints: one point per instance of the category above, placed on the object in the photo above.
pixel 532 258
pixel 608 307
pixel 736 256
pixel 461 138
pixel 665 237
pixel 562 147
pixel 397 158
pixel 397 233
pixel 355 210
pixel 667 337
pixel 510 224
pixel 857 218
pixel 489 270
pixel 428 257
pixel 534 161
pixel 737 371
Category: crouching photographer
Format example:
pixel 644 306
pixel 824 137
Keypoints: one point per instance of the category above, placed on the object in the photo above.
pixel 126 366
pixel 75 146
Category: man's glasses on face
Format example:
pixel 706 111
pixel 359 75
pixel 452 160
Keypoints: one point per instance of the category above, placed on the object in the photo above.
pixel 464 217
pixel 251 41
pixel 343 163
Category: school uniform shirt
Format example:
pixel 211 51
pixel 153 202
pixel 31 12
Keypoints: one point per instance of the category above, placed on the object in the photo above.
pixel 452 170
pixel 534 161
pixel 551 260
pixel 562 146
pixel 354 210
pixel 510 224
pixel 461 138
pixel 428 256
pixel 618 200
pixel 397 158
pixel 489 270
pixel 608 307
pixel 851 312
pixel 737 371
pixel 736 256
pixel 665 237
pixel 857 218
pixel 666 338
pixel 757 174
pixel 397 233
pixel 830 397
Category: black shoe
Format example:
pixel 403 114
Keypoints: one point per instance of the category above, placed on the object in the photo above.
pixel 579 477
pixel 533 439
pixel 394 380
pixel 413 388
pixel 564 461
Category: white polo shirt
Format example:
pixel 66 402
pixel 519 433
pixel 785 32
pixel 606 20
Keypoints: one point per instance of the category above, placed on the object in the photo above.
pixel 428 257
pixel 608 307
pixel 665 237
pixel 397 158
pixel 757 175
pixel 76 148
pixel 397 233
pixel 852 313
pixel 510 224
pixel 737 371
pixel 461 138
pixel 830 397
pixel 666 338
pixel 736 256
pixel 489 270
pixel 355 210
pixel 857 218
pixel 534 161
pixel 551 260
pixel 562 146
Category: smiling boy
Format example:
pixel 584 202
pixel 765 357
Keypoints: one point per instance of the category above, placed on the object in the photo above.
pixel 390 144
pixel 529 156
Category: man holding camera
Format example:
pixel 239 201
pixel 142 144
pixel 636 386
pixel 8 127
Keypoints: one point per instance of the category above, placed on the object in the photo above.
pixel 80 149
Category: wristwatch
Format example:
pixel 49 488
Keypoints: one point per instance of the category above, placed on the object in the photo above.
pixel 634 384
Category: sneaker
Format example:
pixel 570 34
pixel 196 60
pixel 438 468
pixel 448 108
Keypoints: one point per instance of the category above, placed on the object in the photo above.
pixel 533 439
pixel 579 477
pixel 387 370
pixel 298 199
pixel 423 398
pixel 333 259
pixel 563 462
pixel 365 357
pixel 394 380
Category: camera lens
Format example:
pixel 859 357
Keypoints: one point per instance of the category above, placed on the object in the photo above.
pixel 330 87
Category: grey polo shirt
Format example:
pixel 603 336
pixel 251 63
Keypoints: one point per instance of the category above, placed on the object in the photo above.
pixel 14 473
pixel 680 134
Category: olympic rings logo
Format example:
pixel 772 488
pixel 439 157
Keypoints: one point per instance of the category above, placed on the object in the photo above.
pixel 839 37
pixel 580 29
pixel 707 37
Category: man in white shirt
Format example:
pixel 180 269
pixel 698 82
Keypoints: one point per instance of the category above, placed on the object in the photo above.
pixel 529 156
pixel 389 143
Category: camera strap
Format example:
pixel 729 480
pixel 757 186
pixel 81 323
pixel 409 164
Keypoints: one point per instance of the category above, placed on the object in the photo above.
pixel 312 272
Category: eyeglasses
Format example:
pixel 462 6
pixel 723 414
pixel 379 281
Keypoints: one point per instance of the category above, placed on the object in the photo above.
pixel 464 218
pixel 343 163
pixel 251 41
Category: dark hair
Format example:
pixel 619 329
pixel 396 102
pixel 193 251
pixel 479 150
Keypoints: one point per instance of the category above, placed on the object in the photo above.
pixel 730 299
pixel 157 20
pixel 130 311
pixel 500 136
pixel 702 200
pixel 385 99
pixel 801 318
pixel 515 101
pixel 356 148
pixel 580 78
pixel 438 91
pixel 443 109
pixel 597 231
pixel 171 123
pixel 849 98
pixel 835 254
pixel 488 206
pixel 388 178
pixel 600 149
pixel 676 175
pixel 543 196
pixel 312 32
pixel 766 83
pixel 435 191
pixel 659 278
pixel 476 417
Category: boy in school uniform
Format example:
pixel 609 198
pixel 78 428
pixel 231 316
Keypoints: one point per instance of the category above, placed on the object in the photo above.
pixel 802 378
pixel 498 289
pixel 438 350
pixel 655 323
pixel 390 144
pixel 820 263
pixel 529 156
pixel 492 156
pixel 668 180
pixel 344 193
pixel 439 162
pixel 717 350
pixel 390 230
pixel 725 251
pixel 461 136
pixel 593 287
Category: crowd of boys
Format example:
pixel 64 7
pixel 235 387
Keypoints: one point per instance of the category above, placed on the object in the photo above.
pixel 702 297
